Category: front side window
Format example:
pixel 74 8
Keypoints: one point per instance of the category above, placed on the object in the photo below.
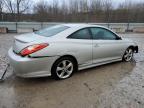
pixel 102 34
pixel 51 31
pixel 81 34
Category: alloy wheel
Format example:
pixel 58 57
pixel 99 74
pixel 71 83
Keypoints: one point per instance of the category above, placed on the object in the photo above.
pixel 64 69
pixel 128 54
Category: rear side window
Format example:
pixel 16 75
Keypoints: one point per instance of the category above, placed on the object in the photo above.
pixel 51 31
pixel 103 34
pixel 81 34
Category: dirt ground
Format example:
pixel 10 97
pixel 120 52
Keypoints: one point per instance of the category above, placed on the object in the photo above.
pixel 115 85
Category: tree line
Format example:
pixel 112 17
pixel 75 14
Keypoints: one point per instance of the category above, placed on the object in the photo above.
pixel 72 11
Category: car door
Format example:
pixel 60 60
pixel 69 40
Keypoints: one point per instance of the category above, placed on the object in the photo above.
pixel 107 45
pixel 81 44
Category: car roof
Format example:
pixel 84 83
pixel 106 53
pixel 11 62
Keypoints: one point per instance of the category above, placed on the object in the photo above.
pixel 81 25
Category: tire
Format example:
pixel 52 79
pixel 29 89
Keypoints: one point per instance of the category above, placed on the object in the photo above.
pixel 63 68
pixel 128 55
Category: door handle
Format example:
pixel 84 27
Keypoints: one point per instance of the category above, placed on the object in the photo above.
pixel 96 45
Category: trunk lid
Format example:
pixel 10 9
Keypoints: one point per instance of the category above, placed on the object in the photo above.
pixel 24 40
pixel 29 37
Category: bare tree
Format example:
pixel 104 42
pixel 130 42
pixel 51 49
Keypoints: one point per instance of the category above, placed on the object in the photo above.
pixel 1 6
pixel 73 10
pixel 73 6
pixel 55 7
pixel 83 5
pixel 93 10
pixel 96 10
pixel 95 6
pixel 10 6
pixel 41 9
pixel 22 6
pixel 64 10
pixel 17 6
pixel 108 9
pixel 1 9
pixel 84 8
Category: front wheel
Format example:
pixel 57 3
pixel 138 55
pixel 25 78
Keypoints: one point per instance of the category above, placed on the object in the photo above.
pixel 128 55
pixel 63 68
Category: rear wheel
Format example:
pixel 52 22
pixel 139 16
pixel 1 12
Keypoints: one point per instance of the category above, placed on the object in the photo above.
pixel 128 55
pixel 63 68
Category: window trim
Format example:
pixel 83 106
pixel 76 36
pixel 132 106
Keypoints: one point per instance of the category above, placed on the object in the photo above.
pixel 117 37
pixel 88 28
pixel 92 38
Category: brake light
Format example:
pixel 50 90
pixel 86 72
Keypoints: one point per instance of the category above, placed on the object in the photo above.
pixel 33 48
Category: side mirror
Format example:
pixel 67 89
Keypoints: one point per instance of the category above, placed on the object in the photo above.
pixel 118 38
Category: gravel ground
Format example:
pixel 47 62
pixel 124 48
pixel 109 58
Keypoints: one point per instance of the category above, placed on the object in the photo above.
pixel 115 85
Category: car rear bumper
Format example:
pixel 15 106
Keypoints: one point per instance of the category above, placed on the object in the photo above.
pixel 30 67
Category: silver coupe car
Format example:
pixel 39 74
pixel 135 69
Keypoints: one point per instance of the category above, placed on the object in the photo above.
pixel 61 50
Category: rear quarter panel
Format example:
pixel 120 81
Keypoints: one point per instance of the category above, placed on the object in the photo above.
pixel 82 51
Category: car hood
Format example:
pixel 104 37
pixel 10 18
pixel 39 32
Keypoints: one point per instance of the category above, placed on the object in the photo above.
pixel 128 40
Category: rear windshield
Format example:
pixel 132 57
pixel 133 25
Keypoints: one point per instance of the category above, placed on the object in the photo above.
pixel 51 31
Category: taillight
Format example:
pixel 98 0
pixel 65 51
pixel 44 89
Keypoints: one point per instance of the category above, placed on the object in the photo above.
pixel 33 48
